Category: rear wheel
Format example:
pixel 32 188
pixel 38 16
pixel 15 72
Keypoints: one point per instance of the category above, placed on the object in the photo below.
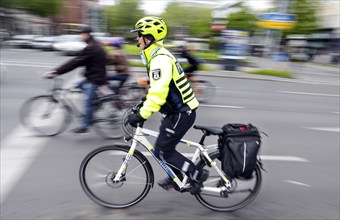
pixel 45 115
pixel 107 119
pixel 241 193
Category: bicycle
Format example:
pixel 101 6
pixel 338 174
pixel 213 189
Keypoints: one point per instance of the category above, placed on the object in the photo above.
pixel 51 114
pixel 131 90
pixel 120 176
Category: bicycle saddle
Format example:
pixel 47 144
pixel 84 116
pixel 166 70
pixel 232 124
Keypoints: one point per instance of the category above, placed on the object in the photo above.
pixel 210 129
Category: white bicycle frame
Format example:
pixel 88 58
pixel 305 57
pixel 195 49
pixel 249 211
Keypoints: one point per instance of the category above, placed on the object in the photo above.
pixel 140 138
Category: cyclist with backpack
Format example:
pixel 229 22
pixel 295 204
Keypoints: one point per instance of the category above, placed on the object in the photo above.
pixel 119 60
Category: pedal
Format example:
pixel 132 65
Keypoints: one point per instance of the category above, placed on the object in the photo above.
pixel 166 184
pixel 167 187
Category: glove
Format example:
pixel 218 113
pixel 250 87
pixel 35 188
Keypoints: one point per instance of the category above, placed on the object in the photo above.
pixel 50 74
pixel 134 119
pixel 140 103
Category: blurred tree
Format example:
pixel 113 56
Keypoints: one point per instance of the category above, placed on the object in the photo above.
pixel 41 8
pixel 197 19
pixel 123 16
pixel 306 18
pixel 243 19
pixel 9 3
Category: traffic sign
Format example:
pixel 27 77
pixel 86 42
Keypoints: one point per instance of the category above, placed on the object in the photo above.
pixel 276 20
pixel 277 17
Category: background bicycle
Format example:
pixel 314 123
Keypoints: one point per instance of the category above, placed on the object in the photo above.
pixel 51 114
pixel 119 176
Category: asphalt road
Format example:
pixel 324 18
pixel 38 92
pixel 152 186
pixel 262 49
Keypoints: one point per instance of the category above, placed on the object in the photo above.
pixel 39 176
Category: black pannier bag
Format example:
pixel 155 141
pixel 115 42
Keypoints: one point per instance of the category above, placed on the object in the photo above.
pixel 239 146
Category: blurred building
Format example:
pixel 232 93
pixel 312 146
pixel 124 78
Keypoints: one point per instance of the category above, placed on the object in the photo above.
pixel 329 34
pixel 16 21
pixel 75 13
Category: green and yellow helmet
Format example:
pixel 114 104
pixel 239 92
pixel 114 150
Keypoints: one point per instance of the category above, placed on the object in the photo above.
pixel 151 25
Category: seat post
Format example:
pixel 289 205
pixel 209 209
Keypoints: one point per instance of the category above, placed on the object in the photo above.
pixel 205 133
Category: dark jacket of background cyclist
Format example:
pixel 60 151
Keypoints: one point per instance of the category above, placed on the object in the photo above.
pixel 93 58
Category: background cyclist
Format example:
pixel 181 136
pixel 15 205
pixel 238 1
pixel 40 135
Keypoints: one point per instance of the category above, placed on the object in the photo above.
pixel 93 58
pixel 117 58
pixel 194 63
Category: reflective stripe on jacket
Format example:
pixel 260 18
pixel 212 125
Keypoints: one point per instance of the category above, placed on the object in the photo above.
pixel 168 84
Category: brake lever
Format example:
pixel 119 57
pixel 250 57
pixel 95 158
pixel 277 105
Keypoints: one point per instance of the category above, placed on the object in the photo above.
pixel 127 138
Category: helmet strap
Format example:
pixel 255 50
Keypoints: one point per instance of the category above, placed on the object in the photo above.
pixel 150 38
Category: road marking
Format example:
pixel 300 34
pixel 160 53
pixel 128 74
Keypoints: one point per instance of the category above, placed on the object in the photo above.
pixel 222 106
pixel 331 129
pixel 29 65
pixel 306 93
pixel 297 183
pixel 18 151
pixel 29 62
pixel 335 113
pixel 263 157
pixel 284 158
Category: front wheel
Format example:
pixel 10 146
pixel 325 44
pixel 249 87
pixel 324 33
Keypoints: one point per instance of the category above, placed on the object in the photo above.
pixel 242 191
pixel 99 168
pixel 45 115
pixel 133 92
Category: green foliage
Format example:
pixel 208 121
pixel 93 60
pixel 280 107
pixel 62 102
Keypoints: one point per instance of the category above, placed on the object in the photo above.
pixel 268 72
pixel 244 19
pixel 131 49
pixel 41 8
pixel 196 19
pixel 305 12
pixel 122 17
pixel 9 3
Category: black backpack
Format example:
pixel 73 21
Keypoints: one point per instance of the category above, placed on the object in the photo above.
pixel 239 146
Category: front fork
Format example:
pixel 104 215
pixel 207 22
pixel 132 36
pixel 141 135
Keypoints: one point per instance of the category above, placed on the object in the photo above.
pixel 122 170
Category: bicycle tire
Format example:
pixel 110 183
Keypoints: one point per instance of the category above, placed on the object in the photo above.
pixel 104 162
pixel 107 119
pixel 137 92
pixel 45 115
pixel 231 202
pixel 203 90
pixel 133 92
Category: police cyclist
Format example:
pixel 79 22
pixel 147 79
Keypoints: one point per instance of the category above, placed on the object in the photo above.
pixel 169 93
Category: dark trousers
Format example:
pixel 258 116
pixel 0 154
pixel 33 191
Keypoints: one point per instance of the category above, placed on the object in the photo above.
pixel 89 90
pixel 172 130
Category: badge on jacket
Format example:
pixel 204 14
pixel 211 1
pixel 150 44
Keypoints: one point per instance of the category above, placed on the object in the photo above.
pixel 156 74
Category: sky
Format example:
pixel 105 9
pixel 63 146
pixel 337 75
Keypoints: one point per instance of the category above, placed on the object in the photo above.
pixel 156 7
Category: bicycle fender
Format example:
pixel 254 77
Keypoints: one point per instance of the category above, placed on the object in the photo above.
pixel 147 163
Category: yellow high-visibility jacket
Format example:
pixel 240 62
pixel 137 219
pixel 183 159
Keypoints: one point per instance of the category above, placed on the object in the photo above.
pixel 169 87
